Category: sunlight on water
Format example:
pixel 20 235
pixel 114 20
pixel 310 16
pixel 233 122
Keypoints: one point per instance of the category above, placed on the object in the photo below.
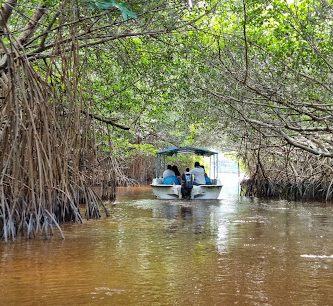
pixel 157 252
pixel 317 256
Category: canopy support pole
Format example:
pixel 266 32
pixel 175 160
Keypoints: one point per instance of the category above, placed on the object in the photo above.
pixel 157 166
pixel 217 166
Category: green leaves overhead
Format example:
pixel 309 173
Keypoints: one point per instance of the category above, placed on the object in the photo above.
pixel 108 4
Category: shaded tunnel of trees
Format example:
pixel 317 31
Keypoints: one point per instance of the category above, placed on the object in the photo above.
pixel 91 89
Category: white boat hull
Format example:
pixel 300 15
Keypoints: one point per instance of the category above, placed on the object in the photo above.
pixel 167 192
pixel 204 192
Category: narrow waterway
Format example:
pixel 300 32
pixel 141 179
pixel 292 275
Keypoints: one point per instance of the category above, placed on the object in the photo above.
pixel 151 252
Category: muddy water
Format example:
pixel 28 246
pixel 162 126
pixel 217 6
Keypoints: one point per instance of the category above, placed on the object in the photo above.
pixel 153 252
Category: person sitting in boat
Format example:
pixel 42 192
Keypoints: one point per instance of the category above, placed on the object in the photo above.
pixel 208 181
pixel 187 184
pixel 169 176
pixel 168 172
pixel 177 173
pixel 198 174
pixel 175 170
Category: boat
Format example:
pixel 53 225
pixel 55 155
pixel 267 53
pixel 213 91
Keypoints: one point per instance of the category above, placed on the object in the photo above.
pixel 168 192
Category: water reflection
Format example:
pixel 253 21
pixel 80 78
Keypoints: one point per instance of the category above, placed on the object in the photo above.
pixel 186 212
pixel 153 252
pixel 222 238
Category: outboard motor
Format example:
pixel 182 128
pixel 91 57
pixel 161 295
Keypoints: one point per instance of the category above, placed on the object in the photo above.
pixel 187 184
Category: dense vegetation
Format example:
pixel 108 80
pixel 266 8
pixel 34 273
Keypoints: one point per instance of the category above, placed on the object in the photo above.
pixel 90 89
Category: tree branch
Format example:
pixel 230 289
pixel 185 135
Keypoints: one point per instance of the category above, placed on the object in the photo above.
pixel 5 12
pixel 30 28
pixel 105 120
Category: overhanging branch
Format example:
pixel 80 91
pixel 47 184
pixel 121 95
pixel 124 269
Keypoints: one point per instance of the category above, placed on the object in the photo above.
pixel 105 120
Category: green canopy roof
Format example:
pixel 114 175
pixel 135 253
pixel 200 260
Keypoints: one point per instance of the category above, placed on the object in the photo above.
pixel 186 150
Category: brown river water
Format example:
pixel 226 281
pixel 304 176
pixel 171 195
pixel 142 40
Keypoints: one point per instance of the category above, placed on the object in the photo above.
pixel 152 252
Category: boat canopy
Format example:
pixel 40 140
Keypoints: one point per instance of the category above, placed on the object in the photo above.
pixel 186 150
pixel 162 155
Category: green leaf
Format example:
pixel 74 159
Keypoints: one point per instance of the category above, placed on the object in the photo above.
pixel 104 4
pixel 126 13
